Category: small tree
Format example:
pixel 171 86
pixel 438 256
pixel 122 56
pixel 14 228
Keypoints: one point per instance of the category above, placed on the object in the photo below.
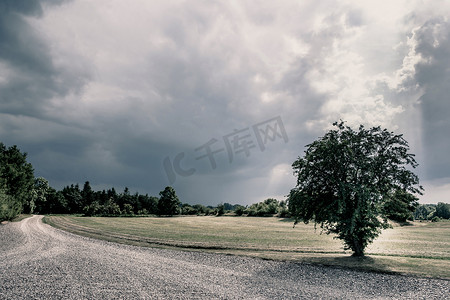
pixel 168 203
pixel 347 177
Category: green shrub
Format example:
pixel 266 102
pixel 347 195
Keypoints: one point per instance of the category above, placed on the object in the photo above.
pixel 9 207
pixel 283 212
pixel 252 210
pixel 267 208
pixel 435 219
pixel 208 211
pixel 92 209
pixel 200 209
pixel 239 210
pixel 127 209
pixel 186 209
pixel 142 212
pixel 220 210
pixel 111 209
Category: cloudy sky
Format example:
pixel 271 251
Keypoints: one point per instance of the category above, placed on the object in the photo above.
pixel 218 98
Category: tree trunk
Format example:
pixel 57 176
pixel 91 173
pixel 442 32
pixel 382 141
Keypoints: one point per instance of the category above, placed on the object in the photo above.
pixel 357 249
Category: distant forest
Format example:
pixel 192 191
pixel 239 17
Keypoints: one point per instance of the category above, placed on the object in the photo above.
pixel 22 192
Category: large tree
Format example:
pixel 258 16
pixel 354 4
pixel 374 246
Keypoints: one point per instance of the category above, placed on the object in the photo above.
pixel 347 179
pixel 168 203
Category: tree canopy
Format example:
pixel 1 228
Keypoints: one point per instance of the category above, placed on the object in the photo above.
pixel 16 182
pixel 348 181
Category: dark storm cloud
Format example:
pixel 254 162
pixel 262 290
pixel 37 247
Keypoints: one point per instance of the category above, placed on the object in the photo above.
pixel 25 57
pixel 32 77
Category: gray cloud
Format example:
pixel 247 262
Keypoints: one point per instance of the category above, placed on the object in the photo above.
pixel 31 76
pixel 105 92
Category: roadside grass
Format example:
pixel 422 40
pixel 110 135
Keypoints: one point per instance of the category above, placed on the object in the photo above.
pixel 421 249
pixel 21 217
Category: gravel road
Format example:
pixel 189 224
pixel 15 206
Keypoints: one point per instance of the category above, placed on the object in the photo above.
pixel 41 262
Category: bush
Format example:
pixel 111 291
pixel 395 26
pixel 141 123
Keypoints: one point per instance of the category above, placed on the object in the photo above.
pixel 272 206
pixel 127 209
pixel 220 210
pixel 142 212
pixel 208 211
pixel 111 209
pixel 239 210
pixel 267 208
pixel 200 209
pixel 9 208
pixel 252 210
pixel 186 209
pixel 435 219
pixel 92 210
pixel 283 212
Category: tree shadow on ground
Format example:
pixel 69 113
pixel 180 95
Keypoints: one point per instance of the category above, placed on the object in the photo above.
pixel 362 263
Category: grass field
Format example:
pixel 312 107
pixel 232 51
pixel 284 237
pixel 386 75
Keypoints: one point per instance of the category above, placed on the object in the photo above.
pixel 421 249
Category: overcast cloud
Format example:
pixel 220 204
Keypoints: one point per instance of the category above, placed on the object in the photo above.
pixel 135 93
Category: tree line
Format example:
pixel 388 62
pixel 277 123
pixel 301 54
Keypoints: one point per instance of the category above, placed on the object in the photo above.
pixel 432 212
pixel 22 192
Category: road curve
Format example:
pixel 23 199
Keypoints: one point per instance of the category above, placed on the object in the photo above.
pixel 41 262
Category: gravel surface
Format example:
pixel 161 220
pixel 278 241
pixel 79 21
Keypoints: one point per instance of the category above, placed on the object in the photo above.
pixel 41 262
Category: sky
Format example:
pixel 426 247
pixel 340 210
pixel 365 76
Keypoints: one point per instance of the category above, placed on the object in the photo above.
pixel 218 98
